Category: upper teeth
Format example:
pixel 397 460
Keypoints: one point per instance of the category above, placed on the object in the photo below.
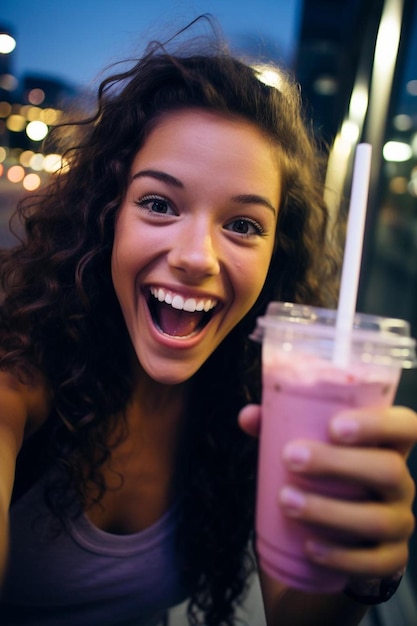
pixel 178 302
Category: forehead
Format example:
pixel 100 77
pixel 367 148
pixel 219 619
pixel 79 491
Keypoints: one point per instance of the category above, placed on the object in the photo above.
pixel 205 120
pixel 201 141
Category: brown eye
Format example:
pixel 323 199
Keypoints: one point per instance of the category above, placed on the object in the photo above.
pixel 158 206
pixel 245 227
pixel 155 204
pixel 241 226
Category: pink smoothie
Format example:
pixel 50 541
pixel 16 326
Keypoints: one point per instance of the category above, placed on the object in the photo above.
pixel 301 393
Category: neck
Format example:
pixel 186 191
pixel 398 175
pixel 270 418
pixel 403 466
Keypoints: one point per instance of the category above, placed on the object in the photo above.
pixel 155 405
pixel 154 394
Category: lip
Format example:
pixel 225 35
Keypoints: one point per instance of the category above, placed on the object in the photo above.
pixel 178 342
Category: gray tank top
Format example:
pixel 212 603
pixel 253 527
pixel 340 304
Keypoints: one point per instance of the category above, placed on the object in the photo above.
pixel 84 576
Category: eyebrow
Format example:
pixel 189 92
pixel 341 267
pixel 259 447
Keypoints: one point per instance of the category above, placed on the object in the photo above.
pixel 249 198
pixel 162 176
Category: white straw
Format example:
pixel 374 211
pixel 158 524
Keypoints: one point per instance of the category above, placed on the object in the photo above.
pixel 353 253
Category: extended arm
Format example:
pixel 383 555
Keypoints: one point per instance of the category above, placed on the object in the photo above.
pixel 22 407
pixel 289 607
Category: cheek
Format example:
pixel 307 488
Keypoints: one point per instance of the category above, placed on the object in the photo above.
pixel 123 264
pixel 251 279
pixel 128 248
pixel 258 269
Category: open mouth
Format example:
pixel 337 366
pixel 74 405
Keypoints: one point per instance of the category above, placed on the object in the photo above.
pixel 176 316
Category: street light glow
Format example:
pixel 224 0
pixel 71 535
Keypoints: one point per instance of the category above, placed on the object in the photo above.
pixel 36 130
pixel 7 43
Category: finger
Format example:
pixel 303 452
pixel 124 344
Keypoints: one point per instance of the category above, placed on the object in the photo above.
pixel 392 426
pixel 365 521
pixel 377 470
pixel 250 419
pixel 378 561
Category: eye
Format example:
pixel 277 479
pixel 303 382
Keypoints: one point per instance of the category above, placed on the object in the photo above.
pixel 156 204
pixel 245 227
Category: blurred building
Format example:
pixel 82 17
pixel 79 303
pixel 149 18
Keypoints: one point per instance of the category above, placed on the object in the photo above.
pixel 357 68
pixel 357 65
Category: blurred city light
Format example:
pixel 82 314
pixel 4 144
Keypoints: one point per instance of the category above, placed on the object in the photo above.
pixel 388 35
pixel 398 185
pixel 5 109
pixel 403 122
pixel 31 182
pixel 326 85
pixel 50 116
pixel 16 174
pixel 386 51
pixel 52 163
pixel 36 96
pixel 359 103
pixel 397 151
pixel 32 113
pixel 36 162
pixel 25 157
pixel 36 130
pixel 414 144
pixel 8 82
pixel 16 123
pixel 350 131
pixel 7 43
pixel 412 87
pixel 268 75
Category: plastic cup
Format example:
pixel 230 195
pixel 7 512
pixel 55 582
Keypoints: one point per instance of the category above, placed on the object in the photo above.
pixel 303 388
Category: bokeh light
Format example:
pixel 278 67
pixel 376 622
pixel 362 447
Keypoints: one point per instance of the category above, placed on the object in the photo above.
pixel 268 75
pixel 50 116
pixel 33 114
pixel 403 122
pixel 397 151
pixel 16 174
pixel 36 96
pixel 36 130
pixel 8 82
pixel 36 162
pixel 31 182
pixel 5 109
pixel 25 158
pixel 412 87
pixel 16 123
pixel 52 163
pixel 7 43
pixel 398 185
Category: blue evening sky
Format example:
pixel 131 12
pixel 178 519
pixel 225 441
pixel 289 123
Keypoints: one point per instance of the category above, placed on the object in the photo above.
pixel 76 39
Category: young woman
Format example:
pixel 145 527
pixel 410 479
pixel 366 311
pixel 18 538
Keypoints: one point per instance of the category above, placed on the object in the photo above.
pixel 191 199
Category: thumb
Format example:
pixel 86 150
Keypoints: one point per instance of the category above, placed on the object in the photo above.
pixel 249 419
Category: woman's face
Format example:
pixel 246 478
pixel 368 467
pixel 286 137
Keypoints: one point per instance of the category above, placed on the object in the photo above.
pixel 194 237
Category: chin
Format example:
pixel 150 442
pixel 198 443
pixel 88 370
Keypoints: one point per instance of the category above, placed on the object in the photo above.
pixel 171 374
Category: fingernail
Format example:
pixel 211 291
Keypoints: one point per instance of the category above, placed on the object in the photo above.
pixel 318 551
pixel 292 500
pixel 345 428
pixel 296 456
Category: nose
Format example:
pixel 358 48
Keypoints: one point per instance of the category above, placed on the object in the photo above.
pixel 193 252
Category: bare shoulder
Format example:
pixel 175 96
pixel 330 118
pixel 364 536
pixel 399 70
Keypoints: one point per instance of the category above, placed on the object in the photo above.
pixel 24 405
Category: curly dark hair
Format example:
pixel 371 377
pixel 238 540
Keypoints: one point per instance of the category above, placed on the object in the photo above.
pixel 60 314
